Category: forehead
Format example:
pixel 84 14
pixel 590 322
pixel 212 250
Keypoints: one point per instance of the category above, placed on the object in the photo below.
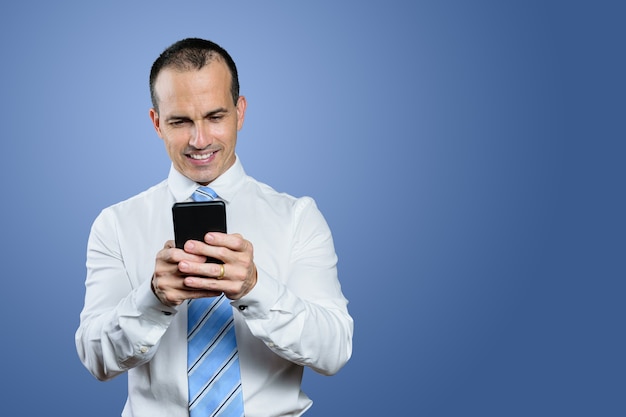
pixel 209 83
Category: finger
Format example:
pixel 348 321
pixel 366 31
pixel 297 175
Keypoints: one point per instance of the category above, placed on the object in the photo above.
pixel 203 286
pixel 175 255
pixel 202 269
pixel 195 293
pixel 202 249
pixel 234 242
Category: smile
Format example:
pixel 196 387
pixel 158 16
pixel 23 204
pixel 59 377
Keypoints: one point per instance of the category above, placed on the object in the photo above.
pixel 201 157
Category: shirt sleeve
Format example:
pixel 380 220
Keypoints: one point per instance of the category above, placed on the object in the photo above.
pixel 120 326
pixel 303 316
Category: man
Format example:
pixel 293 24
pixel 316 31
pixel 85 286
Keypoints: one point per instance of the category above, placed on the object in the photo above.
pixel 278 273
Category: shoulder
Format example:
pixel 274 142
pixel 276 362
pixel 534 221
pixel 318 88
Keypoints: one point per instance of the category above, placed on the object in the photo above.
pixel 140 203
pixel 280 201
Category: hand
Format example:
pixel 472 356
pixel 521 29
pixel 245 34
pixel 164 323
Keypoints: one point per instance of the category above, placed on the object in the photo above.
pixel 239 271
pixel 168 281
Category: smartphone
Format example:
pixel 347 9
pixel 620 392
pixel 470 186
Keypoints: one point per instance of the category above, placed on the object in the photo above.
pixel 193 219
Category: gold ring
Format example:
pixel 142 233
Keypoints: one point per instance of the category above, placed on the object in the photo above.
pixel 221 271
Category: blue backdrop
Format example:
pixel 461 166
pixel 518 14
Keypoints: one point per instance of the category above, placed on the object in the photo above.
pixel 468 155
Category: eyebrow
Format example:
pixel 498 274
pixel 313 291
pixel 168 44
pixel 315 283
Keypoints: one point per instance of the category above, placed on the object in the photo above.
pixel 208 114
pixel 216 111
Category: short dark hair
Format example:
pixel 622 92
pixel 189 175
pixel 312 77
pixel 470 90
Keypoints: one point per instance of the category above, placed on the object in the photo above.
pixel 193 53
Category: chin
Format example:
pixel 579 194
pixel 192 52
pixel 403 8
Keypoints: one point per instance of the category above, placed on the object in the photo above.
pixel 204 179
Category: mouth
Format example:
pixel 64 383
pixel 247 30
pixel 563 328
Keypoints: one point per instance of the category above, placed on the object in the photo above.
pixel 201 157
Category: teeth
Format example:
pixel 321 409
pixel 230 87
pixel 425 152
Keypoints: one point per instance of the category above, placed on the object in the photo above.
pixel 200 157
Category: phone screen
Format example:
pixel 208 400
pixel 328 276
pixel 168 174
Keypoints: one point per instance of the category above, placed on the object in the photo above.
pixel 193 219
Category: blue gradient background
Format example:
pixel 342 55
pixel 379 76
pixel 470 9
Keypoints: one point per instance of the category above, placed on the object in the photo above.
pixel 468 155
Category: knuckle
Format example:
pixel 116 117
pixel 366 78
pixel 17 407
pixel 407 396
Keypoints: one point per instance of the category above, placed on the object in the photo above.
pixel 249 264
pixel 221 253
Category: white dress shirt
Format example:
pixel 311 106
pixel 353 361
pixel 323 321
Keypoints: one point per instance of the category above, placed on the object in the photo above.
pixel 295 316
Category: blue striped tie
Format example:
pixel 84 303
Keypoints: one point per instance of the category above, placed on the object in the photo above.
pixel 212 359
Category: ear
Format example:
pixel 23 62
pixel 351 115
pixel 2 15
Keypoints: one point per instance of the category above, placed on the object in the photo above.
pixel 154 116
pixel 241 111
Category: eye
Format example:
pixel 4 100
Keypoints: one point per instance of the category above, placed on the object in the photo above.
pixel 216 117
pixel 177 122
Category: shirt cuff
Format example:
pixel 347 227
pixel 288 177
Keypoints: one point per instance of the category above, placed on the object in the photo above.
pixel 150 306
pixel 258 302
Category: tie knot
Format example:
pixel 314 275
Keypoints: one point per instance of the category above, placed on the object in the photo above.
pixel 204 194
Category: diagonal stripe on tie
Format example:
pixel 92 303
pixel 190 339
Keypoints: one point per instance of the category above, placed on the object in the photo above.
pixel 212 357
pixel 204 194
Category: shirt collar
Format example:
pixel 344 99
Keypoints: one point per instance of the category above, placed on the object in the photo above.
pixel 226 185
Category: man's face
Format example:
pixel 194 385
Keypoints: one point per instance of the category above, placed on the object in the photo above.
pixel 198 120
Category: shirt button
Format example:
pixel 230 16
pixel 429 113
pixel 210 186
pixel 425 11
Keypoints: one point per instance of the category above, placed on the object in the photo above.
pixel 242 308
pixel 143 349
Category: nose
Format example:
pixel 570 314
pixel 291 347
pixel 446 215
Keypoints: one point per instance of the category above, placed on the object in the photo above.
pixel 201 136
